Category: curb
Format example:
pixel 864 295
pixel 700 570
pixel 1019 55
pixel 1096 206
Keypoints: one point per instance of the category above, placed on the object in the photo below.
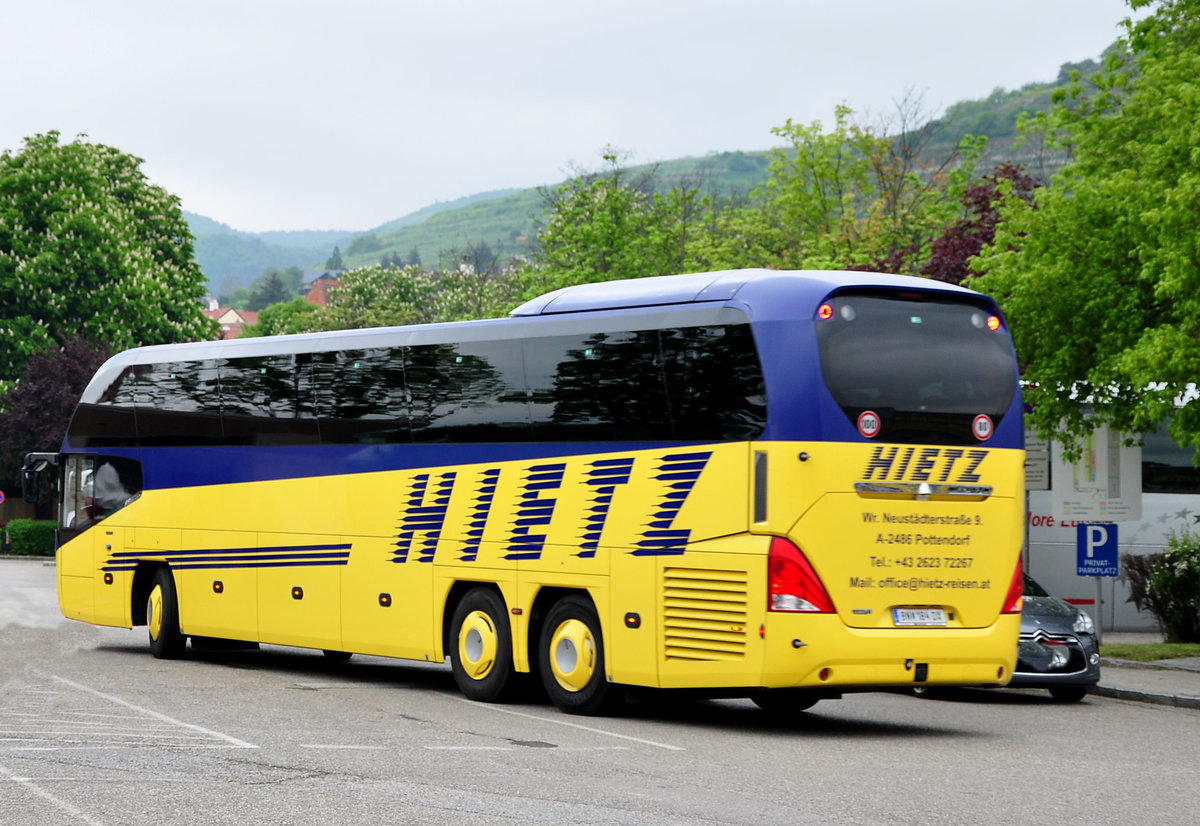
pixel 1147 697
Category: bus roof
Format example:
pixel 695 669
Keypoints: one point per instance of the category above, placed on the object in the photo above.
pixel 709 286
pixel 761 293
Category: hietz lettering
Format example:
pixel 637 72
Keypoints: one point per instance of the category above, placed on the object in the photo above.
pixel 924 464
pixel 422 519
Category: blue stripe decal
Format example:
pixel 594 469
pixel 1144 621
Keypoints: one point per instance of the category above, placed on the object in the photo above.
pixel 534 510
pixel 679 472
pixel 217 558
pixel 603 477
pixel 422 520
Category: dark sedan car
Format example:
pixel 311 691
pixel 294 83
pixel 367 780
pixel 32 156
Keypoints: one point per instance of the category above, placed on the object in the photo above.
pixel 1058 648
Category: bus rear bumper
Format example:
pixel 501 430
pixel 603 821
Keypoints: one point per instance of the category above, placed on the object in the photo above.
pixel 819 651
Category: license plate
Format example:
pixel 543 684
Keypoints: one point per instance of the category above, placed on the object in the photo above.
pixel 919 616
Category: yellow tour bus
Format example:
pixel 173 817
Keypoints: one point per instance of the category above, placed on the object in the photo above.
pixel 776 485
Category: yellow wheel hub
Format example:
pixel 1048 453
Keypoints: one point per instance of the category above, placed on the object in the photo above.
pixel 573 655
pixel 477 644
pixel 154 612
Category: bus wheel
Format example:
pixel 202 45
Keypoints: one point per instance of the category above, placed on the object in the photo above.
pixel 784 700
pixel 162 618
pixel 482 661
pixel 571 656
pixel 336 656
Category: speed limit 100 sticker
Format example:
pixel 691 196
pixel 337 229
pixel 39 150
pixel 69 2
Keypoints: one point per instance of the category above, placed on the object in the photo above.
pixel 868 423
pixel 982 427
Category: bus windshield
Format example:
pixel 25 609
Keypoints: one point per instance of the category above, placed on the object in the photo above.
pixel 927 368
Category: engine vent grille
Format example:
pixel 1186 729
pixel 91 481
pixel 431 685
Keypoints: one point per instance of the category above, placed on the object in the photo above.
pixel 705 614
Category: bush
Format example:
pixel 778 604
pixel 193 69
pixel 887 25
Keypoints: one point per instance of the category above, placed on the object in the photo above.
pixel 1168 586
pixel 30 537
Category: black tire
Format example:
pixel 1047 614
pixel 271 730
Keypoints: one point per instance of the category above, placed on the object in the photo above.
pixel 481 647
pixel 162 617
pixel 784 700
pixel 571 658
pixel 1068 693
pixel 336 656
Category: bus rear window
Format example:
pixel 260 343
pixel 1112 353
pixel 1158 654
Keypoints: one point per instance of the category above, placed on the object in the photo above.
pixel 916 370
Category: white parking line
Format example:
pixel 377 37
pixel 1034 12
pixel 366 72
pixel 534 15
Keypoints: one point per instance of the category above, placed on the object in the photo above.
pixel 242 744
pixel 26 783
pixel 503 710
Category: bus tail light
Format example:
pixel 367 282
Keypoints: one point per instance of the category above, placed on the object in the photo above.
pixel 1012 602
pixel 792 584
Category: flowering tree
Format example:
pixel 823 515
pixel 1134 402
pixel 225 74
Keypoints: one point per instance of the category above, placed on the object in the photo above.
pixel 88 247
pixel 378 297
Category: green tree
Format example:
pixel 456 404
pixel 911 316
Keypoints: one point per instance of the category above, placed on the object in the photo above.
pixel 1100 276
pixel 269 288
pixel 607 225
pixel 284 318
pixel 378 297
pixel 88 247
pixel 335 261
pixel 858 196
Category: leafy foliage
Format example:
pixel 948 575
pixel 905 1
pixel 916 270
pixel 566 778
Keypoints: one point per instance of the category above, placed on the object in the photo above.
pixel 1100 275
pixel 284 318
pixel 1168 586
pixel 35 412
pixel 610 225
pixel 379 297
pixel 952 252
pixel 30 537
pixel 854 197
pixel 89 247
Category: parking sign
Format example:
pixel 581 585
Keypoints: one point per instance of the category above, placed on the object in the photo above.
pixel 1096 550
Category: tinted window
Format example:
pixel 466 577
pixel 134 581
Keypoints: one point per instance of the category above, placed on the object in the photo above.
pixel 269 400
pixel 111 421
pixel 365 399
pixel 925 368
pixel 714 383
pixel 468 392
pixel 179 403
pixel 597 387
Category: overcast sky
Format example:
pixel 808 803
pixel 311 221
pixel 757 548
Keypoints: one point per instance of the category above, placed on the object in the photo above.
pixel 344 114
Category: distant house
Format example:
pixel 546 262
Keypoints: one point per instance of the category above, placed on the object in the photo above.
pixel 318 290
pixel 232 321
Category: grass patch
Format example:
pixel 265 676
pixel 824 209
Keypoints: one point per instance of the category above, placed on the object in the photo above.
pixel 1148 652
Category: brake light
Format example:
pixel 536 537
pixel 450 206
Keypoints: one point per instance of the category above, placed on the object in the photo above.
pixel 792 584
pixel 1012 602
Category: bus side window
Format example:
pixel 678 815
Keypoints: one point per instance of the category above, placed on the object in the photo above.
pixel 78 500
pixel 96 486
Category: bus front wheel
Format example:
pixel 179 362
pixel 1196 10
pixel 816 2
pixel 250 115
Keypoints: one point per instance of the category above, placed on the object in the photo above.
pixel 482 661
pixel 162 617
pixel 571 656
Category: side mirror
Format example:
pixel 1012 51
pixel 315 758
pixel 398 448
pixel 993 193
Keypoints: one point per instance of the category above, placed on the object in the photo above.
pixel 31 475
pixel 29 485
